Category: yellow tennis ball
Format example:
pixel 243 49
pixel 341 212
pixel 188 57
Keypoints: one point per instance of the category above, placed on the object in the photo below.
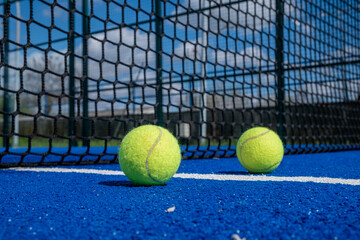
pixel 149 155
pixel 260 150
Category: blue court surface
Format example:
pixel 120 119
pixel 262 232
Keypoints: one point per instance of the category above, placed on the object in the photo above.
pixel 310 196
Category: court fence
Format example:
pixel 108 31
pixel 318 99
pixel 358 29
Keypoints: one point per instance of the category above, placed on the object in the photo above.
pixel 76 76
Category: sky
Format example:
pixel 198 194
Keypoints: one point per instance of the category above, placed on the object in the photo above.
pixel 241 38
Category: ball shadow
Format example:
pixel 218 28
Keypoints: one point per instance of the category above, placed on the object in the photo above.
pixel 119 184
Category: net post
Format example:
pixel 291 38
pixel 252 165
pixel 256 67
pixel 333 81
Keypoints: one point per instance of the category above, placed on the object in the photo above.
pixel 4 63
pixel 71 73
pixel 159 115
pixel 85 90
pixel 279 54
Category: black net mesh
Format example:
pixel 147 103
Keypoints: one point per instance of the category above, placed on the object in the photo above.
pixel 76 76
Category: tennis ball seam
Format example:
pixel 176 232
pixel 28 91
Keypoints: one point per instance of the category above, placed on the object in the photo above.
pixel 246 166
pixel 149 154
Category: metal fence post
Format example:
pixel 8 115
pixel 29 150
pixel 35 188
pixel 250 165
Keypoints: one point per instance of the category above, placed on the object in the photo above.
pixel 159 88
pixel 72 73
pixel 85 90
pixel 280 68
pixel 4 63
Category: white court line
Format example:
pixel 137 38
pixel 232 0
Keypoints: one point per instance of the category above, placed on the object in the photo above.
pixel 216 177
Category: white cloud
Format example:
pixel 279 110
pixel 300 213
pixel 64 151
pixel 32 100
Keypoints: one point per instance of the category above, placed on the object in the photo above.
pixel 317 92
pixel 58 12
pixel 250 57
pixel 126 45
pixel 121 49
pixel 249 14
pixel 189 49
pixel 347 52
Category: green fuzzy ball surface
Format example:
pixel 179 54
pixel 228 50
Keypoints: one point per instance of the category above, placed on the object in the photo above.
pixel 149 155
pixel 260 150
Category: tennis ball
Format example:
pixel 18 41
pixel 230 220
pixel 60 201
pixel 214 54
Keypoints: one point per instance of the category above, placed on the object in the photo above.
pixel 259 150
pixel 149 155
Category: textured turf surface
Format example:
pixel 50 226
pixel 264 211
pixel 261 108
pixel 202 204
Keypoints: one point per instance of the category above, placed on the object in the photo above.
pixel 83 206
